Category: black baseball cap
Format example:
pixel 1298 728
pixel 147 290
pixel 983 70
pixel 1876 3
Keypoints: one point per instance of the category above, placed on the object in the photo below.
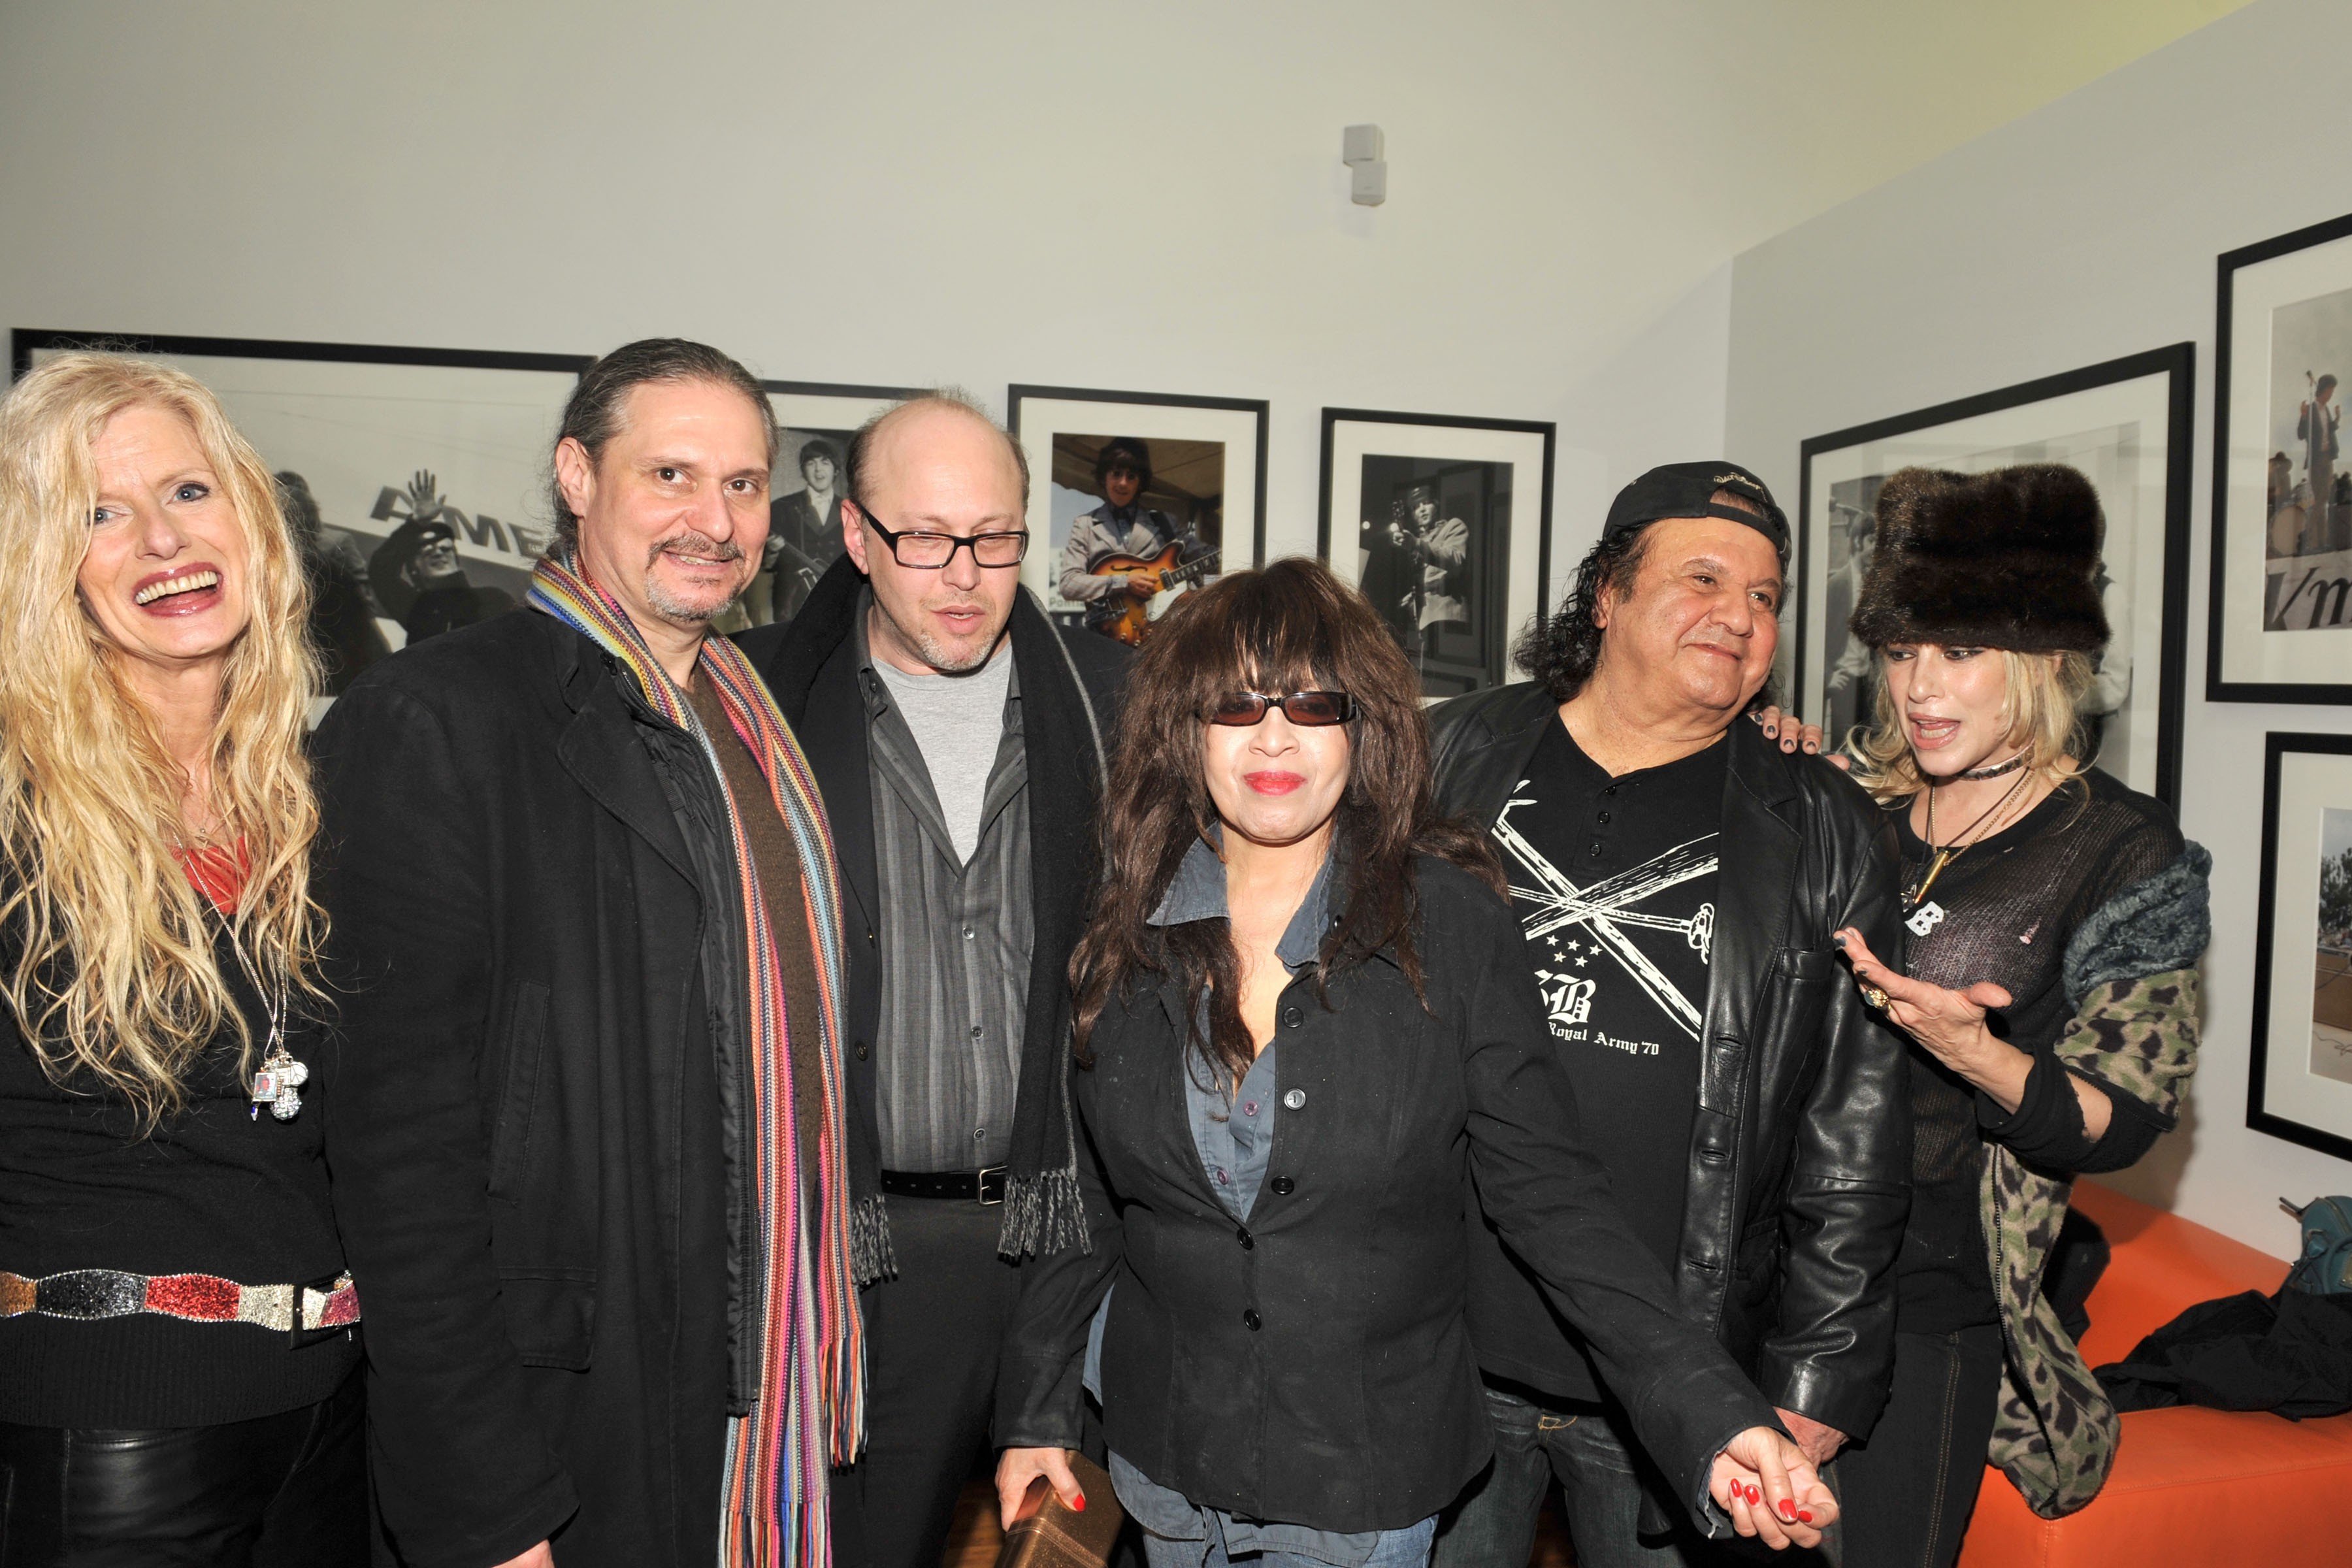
pixel 1688 489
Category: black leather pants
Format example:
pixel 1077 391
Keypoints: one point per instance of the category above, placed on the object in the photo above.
pixel 281 1492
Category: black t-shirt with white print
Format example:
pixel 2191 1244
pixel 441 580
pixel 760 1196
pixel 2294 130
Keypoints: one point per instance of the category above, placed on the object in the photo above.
pixel 1613 879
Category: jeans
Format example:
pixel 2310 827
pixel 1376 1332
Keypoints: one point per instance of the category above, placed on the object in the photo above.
pixel 278 1491
pixel 1494 1524
pixel 1906 1493
pixel 1406 1548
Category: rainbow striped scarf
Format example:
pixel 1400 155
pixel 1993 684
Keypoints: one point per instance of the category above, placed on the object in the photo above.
pixel 811 1351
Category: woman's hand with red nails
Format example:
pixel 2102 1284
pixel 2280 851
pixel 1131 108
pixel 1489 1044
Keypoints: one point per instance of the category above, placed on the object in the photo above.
pixel 1771 1490
pixel 1019 1467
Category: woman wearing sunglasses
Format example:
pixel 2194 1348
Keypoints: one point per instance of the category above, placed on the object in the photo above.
pixel 1304 1026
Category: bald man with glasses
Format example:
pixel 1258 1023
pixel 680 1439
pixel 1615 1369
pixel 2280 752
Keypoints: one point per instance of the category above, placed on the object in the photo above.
pixel 958 738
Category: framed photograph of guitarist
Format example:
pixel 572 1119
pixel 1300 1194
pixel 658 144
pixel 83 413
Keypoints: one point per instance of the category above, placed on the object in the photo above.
pixel 1137 498
pixel 817 420
pixel 1451 520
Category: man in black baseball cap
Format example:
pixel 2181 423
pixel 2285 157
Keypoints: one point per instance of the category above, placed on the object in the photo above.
pixel 1679 877
pixel 1698 490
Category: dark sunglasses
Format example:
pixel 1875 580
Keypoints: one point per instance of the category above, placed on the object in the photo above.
pixel 1311 709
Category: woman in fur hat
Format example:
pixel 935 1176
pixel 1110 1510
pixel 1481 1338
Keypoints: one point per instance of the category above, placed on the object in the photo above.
pixel 2055 921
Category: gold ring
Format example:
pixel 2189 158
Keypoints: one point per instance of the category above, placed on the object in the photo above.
pixel 1875 997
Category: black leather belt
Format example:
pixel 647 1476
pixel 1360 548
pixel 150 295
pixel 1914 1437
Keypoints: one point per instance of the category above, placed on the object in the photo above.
pixel 981 1187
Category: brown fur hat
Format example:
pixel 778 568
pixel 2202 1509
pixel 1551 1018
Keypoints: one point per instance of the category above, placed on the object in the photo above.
pixel 2007 559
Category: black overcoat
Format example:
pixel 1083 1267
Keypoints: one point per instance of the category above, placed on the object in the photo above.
pixel 1313 1364
pixel 527 1162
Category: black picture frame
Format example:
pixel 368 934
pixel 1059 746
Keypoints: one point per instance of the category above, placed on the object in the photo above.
pixel 1498 627
pixel 2219 688
pixel 1256 412
pixel 2276 745
pixel 442 428
pixel 27 342
pixel 2176 362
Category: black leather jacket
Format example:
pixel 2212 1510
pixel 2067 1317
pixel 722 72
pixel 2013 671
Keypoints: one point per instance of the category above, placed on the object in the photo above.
pixel 1800 1149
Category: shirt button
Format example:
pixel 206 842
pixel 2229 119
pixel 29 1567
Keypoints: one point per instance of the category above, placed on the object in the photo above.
pixel 1284 1186
pixel 1594 852
pixel 980 1134
pixel 967 931
pixel 1248 1241
pixel 1611 790
pixel 1223 1180
pixel 861 1050
pixel 1249 1107
pixel 1604 817
pixel 1294 1098
pixel 1250 1319
pixel 1291 1017
pixel 975 1028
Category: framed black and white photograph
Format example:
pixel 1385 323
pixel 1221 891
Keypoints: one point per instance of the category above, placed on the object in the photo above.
pixel 805 490
pixel 1444 524
pixel 2281 572
pixel 2300 1084
pixel 2125 425
pixel 417 478
pixel 1136 498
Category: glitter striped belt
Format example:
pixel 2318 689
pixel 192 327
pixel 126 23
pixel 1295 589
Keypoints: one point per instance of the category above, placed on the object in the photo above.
pixel 315 1311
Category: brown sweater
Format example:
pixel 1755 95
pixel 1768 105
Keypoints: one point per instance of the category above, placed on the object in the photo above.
pixel 777 861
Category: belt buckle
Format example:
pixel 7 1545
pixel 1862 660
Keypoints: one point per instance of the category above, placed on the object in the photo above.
pixel 310 1301
pixel 996 1172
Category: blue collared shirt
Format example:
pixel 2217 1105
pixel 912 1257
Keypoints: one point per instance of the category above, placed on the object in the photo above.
pixel 1235 1136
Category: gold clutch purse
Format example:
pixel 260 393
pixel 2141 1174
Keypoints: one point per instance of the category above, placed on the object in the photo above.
pixel 1047 1534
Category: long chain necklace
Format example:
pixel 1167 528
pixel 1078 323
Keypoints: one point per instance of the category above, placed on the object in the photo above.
pixel 1939 857
pixel 278 1081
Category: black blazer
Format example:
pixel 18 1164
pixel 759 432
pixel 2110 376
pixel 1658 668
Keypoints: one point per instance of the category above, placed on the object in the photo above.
pixel 1801 1151
pixel 1315 1365
pixel 526 1147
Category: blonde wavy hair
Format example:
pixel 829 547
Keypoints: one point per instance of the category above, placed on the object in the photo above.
pixel 2043 703
pixel 108 959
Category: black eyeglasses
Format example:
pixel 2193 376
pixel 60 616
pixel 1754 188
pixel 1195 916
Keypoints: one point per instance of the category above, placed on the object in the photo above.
pixel 932 551
pixel 1311 709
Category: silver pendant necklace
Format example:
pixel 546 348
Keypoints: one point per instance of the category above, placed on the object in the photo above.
pixel 278 1081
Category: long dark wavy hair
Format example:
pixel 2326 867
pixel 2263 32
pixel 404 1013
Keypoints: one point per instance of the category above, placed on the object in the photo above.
pixel 1289 626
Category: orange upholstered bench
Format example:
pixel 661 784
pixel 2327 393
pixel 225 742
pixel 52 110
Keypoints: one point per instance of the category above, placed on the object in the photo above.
pixel 2190 1487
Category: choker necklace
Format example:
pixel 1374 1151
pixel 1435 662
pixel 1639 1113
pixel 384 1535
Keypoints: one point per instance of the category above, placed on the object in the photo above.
pixel 1998 769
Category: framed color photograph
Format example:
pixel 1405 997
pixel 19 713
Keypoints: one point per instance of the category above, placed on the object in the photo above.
pixel 417 477
pixel 2282 572
pixel 2300 1084
pixel 1444 524
pixel 2125 424
pixel 804 493
pixel 1136 498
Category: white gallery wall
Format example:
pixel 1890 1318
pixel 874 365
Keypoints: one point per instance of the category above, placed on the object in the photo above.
pixel 2083 232
pixel 1140 196
pixel 900 193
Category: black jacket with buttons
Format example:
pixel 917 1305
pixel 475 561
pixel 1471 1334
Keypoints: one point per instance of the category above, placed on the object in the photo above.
pixel 1800 1148
pixel 1313 1363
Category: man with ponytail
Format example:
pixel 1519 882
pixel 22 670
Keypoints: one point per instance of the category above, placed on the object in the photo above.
pixel 593 1149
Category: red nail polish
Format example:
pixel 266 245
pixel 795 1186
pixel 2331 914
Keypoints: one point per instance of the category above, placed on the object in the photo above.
pixel 1788 1508
pixel 1079 1506
pixel 1754 1496
pixel 1805 1515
